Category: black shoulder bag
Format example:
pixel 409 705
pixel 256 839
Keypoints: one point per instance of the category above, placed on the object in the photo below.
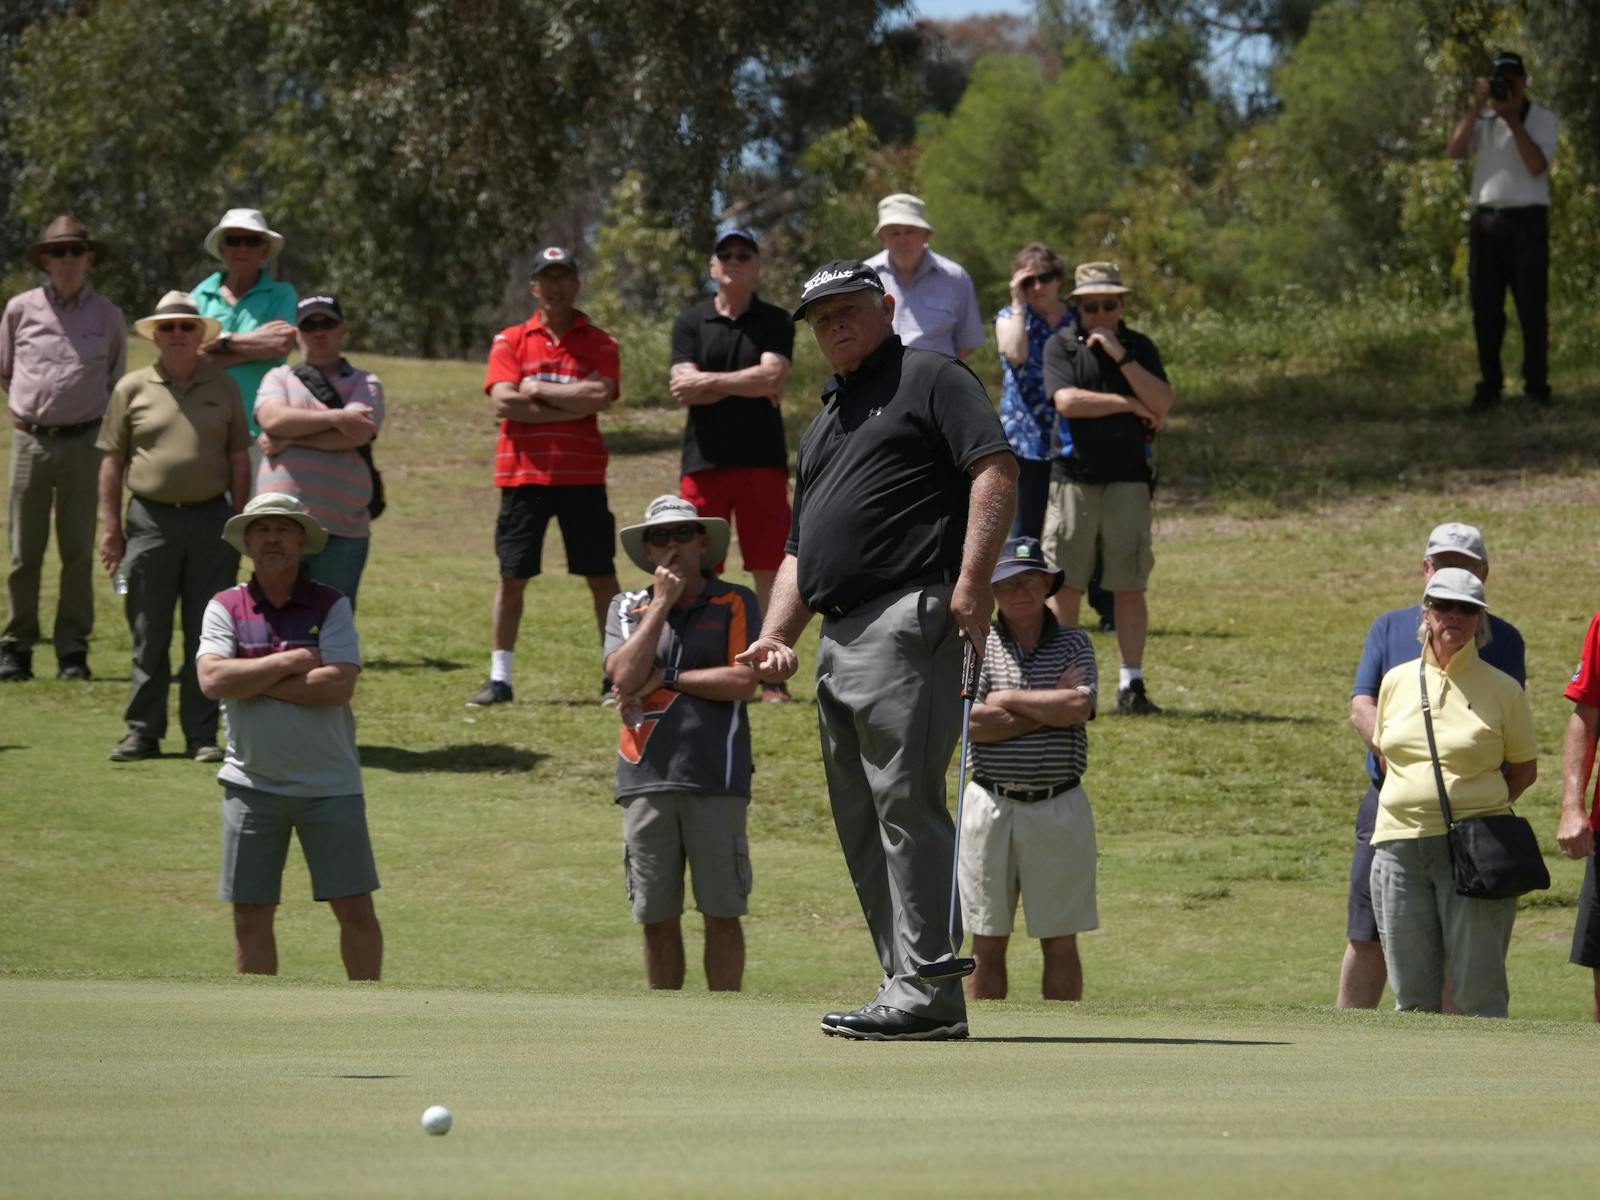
pixel 317 383
pixel 1491 858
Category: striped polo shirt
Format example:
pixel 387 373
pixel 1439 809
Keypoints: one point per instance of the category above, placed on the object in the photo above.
pixel 1052 754
pixel 334 485
pixel 553 453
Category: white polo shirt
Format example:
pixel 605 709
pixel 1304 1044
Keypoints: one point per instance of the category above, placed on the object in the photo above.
pixel 1500 179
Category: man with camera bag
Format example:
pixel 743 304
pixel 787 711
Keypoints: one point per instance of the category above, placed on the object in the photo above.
pixel 1508 238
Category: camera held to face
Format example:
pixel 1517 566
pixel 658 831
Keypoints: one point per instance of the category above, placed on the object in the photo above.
pixel 1500 85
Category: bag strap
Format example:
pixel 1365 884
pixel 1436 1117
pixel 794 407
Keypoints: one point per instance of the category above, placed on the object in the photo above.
pixel 320 386
pixel 1433 747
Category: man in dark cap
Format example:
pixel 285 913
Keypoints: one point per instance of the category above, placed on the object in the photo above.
pixel 904 489
pixel 63 347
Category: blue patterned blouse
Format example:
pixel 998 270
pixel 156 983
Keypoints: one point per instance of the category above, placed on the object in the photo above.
pixel 1026 413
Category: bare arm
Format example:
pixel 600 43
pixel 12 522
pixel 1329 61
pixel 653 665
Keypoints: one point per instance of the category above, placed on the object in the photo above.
pixel 240 678
pixel 1364 716
pixel 690 385
pixel 1460 144
pixel 328 686
pixel 1011 331
pixel 991 723
pixel 989 509
pixel 272 340
pixel 1057 707
pixel 284 423
pixel 536 402
pixel 1577 761
pixel 112 544
pixel 718 683
pixel 1532 157
pixel 1520 776
pixel 239 478
pixel 772 654
pixel 632 664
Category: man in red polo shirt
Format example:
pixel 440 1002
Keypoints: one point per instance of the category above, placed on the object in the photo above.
pixel 547 379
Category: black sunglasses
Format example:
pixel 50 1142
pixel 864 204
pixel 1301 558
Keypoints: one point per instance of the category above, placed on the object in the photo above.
pixel 318 324
pixel 177 326
pixel 67 250
pixel 682 534
pixel 1092 307
pixel 243 239
pixel 734 256
pixel 1454 606
pixel 1031 281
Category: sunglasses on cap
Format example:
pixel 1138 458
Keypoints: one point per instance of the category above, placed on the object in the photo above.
pixel 734 256
pixel 318 324
pixel 1095 306
pixel 67 250
pixel 1039 280
pixel 243 239
pixel 177 326
pixel 682 534
pixel 1454 606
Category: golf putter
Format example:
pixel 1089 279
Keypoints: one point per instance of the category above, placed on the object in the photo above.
pixel 956 967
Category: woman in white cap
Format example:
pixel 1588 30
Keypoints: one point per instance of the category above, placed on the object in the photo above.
pixel 255 311
pixel 1483 728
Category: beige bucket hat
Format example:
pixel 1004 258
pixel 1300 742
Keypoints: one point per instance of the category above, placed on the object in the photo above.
pixel 1098 279
pixel 177 306
pixel 902 208
pixel 674 510
pixel 275 504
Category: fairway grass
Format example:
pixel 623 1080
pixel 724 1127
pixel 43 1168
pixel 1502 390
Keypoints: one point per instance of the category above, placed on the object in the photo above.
pixel 263 1088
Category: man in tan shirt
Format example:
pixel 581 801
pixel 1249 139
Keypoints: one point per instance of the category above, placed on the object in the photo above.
pixel 175 435
pixel 62 346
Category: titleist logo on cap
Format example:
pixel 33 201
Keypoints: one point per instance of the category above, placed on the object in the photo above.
pixel 825 276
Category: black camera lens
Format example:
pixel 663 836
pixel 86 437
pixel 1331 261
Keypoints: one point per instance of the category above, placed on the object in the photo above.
pixel 1500 87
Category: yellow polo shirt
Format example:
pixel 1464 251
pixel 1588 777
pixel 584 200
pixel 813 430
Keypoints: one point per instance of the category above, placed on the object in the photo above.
pixel 1481 718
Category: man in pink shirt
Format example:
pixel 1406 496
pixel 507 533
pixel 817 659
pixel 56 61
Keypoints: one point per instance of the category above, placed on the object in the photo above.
pixel 63 347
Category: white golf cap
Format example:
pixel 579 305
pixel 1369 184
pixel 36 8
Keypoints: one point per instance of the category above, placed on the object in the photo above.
pixel 1455 538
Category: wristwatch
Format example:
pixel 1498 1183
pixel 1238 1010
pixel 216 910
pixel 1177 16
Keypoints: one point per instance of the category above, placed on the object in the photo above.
pixel 669 677
pixel 1127 357
pixel 225 344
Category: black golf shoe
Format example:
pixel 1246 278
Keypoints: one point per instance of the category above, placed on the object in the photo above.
pixel 73 666
pixel 1132 700
pixel 880 1023
pixel 492 692
pixel 16 664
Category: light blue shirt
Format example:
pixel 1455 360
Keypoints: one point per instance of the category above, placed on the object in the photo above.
pixel 939 311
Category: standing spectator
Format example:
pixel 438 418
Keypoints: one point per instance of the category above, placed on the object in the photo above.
pixel 62 348
pixel 683 762
pixel 903 494
pixel 730 357
pixel 174 433
pixel 935 304
pixel 313 443
pixel 1392 640
pixel 1025 822
pixel 1575 832
pixel 281 654
pixel 547 379
pixel 1483 728
pixel 1508 238
pixel 1021 330
pixel 1108 381
pixel 254 311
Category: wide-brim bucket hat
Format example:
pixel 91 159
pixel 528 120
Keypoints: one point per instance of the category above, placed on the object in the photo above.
pixel 245 220
pixel 177 306
pixel 1098 279
pixel 673 510
pixel 275 504
pixel 902 208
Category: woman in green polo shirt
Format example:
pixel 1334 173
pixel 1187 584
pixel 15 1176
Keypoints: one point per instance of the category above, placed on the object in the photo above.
pixel 256 311
pixel 1483 727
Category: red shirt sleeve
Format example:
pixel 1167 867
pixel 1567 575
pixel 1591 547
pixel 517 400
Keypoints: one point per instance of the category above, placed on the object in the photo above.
pixel 505 364
pixel 605 358
pixel 1585 685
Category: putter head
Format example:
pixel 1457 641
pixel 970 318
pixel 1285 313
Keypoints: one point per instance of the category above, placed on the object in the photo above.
pixel 947 968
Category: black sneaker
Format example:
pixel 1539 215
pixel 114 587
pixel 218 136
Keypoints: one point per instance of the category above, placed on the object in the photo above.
pixel 492 692
pixel 204 752
pixel 16 663
pixel 1484 401
pixel 1134 702
pixel 880 1023
pixel 73 666
pixel 133 747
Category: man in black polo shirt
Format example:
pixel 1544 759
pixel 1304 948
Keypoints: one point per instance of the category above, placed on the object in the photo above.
pixel 904 488
pixel 1108 382
pixel 730 357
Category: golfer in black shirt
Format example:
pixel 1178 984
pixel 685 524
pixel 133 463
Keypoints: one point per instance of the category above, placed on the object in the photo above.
pixel 903 494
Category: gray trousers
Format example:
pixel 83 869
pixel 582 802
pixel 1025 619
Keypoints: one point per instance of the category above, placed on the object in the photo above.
pixel 1427 929
pixel 889 708
pixel 175 558
pixel 60 473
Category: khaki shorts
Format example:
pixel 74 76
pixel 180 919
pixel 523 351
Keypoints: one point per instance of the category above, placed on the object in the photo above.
pixel 663 830
pixel 255 845
pixel 1111 517
pixel 1045 851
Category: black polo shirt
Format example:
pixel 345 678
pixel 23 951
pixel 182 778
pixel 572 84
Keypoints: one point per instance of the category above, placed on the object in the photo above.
pixel 736 431
pixel 881 485
pixel 1108 449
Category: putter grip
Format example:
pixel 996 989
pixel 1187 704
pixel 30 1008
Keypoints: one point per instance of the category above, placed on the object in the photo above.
pixel 969 672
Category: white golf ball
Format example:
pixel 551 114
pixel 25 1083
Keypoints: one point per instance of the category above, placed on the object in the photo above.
pixel 436 1119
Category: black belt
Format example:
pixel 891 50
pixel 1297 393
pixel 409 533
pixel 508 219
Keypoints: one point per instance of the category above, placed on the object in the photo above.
pixel 1028 795
pixel 55 431
pixel 1514 210
pixel 218 498
pixel 925 579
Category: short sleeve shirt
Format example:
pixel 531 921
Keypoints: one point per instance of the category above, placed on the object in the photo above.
pixel 267 300
pixel 557 453
pixel 175 438
pixel 1109 449
pixel 687 743
pixel 1051 754
pixel 275 745
pixel 736 431
pixel 1585 689
pixel 334 485
pixel 1500 179
pixel 881 485
pixel 60 358
pixel 1392 640
pixel 939 309
pixel 1026 412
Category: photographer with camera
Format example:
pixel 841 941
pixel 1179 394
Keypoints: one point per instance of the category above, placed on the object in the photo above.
pixel 1514 140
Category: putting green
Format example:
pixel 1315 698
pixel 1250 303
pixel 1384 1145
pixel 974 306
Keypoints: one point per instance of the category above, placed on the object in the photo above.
pixel 264 1088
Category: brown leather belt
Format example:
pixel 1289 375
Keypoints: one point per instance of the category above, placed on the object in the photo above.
pixel 55 431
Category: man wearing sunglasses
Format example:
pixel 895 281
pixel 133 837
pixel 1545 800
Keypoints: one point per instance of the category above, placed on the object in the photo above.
pixel 730 357
pixel 315 419
pixel 683 758
pixel 1107 381
pixel 1392 640
pixel 63 347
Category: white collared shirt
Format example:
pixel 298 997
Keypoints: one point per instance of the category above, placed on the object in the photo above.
pixel 1500 179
